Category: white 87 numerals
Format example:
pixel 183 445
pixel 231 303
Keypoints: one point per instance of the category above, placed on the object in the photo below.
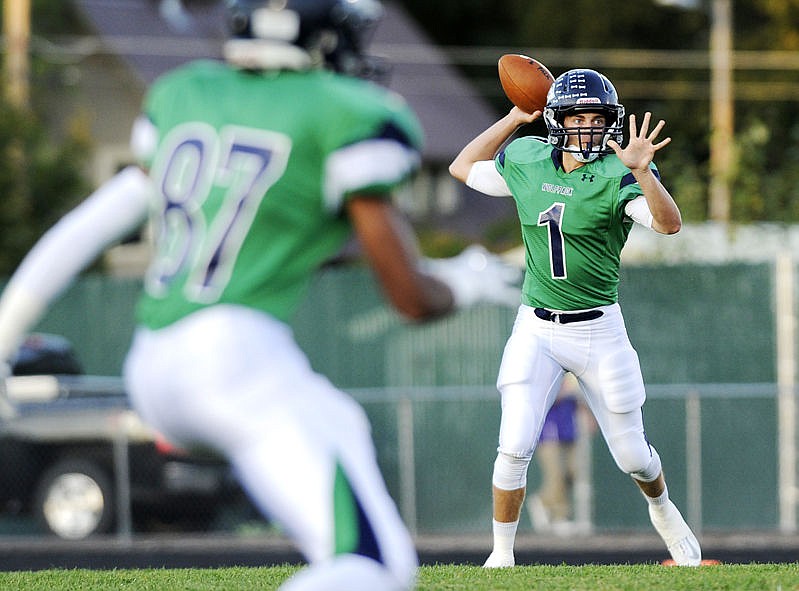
pixel 193 161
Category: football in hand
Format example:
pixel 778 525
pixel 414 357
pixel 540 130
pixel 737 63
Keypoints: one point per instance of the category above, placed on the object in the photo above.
pixel 526 81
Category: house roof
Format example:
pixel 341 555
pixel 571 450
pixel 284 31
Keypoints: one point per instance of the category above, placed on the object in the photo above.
pixel 153 37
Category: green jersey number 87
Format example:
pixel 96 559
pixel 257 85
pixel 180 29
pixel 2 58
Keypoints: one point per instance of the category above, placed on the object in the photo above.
pixel 211 185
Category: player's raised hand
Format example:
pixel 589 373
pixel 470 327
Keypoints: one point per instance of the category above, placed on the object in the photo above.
pixel 523 116
pixel 641 148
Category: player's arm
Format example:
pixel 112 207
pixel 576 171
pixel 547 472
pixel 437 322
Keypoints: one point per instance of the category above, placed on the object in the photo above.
pixel 422 288
pixel 666 218
pixel 487 144
pixel 114 210
pixel 637 156
pixel 390 247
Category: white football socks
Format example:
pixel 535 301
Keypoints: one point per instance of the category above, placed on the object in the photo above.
pixel 660 500
pixel 504 537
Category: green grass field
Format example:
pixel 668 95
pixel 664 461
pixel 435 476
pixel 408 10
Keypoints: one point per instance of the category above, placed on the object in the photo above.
pixel 737 577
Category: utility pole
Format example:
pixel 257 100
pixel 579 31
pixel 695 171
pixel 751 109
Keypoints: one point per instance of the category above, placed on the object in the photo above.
pixel 16 31
pixel 722 150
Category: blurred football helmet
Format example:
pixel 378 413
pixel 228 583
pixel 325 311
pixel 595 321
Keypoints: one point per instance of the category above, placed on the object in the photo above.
pixel 298 34
pixel 585 91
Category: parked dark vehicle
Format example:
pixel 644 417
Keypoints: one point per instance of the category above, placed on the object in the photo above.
pixel 70 444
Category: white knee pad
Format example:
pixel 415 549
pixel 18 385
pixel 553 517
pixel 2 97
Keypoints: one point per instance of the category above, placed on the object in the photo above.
pixel 653 469
pixel 634 456
pixel 510 472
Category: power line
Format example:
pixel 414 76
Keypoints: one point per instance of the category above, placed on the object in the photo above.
pixel 74 48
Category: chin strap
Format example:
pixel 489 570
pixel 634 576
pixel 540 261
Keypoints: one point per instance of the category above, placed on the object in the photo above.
pixel 581 156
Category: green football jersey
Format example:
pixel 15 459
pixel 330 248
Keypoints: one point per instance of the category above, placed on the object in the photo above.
pixel 251 171
pixel 573 225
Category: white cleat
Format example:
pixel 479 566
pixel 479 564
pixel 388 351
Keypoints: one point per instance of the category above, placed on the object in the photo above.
pixel 498 560
pixel 680 540
pixel 686 552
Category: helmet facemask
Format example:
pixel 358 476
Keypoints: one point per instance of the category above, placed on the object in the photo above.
pixel 584 143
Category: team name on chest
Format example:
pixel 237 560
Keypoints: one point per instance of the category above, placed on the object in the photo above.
pixel 557 189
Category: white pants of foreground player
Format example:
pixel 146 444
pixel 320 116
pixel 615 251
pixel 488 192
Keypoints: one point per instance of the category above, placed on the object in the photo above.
pixel 234 380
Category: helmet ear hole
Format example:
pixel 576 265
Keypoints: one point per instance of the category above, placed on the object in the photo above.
pixel 238 23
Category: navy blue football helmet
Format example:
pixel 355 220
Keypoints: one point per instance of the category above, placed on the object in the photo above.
pixel 584 91
pixel 302 33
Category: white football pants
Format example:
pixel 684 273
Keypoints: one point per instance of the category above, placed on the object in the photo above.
pixel 599 354
pixel 233 379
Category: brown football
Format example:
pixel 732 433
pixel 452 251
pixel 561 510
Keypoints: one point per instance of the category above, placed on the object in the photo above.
pixel 525 81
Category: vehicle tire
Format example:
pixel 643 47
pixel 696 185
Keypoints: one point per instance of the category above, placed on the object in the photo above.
pixel 74 499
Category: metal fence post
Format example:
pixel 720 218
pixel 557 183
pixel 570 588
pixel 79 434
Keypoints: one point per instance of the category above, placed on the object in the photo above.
pixel 583 489
pixel 693 462
pixel 407 462
pixel 122 477
pixel 786 395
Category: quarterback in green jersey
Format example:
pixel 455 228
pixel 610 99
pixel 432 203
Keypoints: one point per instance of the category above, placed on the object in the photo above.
pixel 577 193
pixel 255 171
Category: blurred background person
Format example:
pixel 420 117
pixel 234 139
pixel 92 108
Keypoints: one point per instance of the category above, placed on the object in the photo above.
pixel 552 506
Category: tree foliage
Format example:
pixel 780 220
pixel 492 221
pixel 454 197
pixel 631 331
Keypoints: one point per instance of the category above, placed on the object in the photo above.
pixel 40 179
pixel 41 175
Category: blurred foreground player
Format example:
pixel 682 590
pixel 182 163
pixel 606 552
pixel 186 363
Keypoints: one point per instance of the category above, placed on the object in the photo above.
pixel 260 169
pixel 578 194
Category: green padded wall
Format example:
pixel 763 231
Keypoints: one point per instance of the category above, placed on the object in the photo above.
pixel 691 324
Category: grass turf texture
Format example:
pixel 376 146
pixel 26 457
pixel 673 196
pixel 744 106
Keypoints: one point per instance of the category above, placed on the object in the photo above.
pixel 652 577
